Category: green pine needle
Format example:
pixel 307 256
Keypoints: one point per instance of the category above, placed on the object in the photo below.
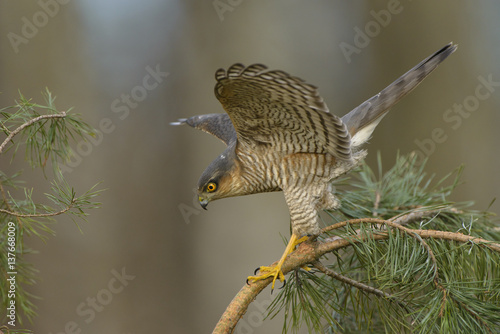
pixel 46 135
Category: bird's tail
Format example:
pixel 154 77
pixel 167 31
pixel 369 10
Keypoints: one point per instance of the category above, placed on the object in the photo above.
pixel 362 120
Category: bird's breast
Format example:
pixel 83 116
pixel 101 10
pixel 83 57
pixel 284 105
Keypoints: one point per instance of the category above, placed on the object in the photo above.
pixel 274 170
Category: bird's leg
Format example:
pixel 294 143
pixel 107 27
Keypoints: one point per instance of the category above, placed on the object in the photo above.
pixel 275 271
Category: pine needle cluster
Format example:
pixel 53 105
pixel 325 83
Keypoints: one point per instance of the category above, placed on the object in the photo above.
pixel 414 263
pixel 45 134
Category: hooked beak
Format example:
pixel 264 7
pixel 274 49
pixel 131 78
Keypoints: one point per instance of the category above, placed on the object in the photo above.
pixel 203 202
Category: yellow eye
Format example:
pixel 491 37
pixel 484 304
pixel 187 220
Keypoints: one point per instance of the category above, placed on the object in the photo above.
pixel 211 187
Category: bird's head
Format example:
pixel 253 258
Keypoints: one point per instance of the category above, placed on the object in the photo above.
pixel 218 180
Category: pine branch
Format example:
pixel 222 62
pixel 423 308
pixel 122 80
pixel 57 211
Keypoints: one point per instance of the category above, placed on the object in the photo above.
pixel 403 264
pixel 25 125
pixel 46 134
pixel 36 215
pixel 311 252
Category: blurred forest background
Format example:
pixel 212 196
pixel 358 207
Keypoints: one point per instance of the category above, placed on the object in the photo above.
pixel 186 263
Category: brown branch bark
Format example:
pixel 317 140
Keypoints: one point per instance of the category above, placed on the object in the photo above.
pixel 310 252
pixel 33 215
pixel 305 253
pixel 25 125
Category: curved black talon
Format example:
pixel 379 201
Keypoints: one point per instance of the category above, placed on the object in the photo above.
pixel 256 271
pixel 247 282
pixel 284 282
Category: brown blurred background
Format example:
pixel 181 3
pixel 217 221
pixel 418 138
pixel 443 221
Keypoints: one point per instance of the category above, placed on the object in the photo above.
pixel 182 270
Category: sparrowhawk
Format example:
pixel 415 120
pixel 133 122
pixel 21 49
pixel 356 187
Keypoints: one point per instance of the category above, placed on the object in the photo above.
pixel 280 135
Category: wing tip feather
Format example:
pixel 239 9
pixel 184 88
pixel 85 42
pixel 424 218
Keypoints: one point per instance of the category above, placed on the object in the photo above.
pixel 180 121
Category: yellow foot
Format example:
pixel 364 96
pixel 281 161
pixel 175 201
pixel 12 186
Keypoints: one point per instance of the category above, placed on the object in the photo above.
pixel 275 271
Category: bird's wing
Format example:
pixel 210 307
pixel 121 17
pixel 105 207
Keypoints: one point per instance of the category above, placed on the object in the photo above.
pixel 362 120
pixel 276 109
pixel 218 125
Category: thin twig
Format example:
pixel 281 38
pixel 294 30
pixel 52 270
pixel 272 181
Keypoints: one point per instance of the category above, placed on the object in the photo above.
pixel 376 203
pixel 459 237
pixel 10 211
pixel 452 236
pixel 415 215
pixel 37 215
pixel 352 222
pixel 28 123
pixel 7 205
pixel 405 219
pixel 318 265
pixel 4 196
pixel 4 128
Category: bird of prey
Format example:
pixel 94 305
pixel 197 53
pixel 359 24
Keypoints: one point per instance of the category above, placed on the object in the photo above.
pixel 280 136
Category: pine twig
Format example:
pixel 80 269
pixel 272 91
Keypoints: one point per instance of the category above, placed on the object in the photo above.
pixel 36 215
pixel 11 212
pixel 318 265
pixel 7 205
pixel 5 199
pixel 25 125
pixel 404 219
pixel 444 235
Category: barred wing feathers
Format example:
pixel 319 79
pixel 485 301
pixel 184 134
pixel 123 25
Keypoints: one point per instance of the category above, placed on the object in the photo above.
pixel 276 109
